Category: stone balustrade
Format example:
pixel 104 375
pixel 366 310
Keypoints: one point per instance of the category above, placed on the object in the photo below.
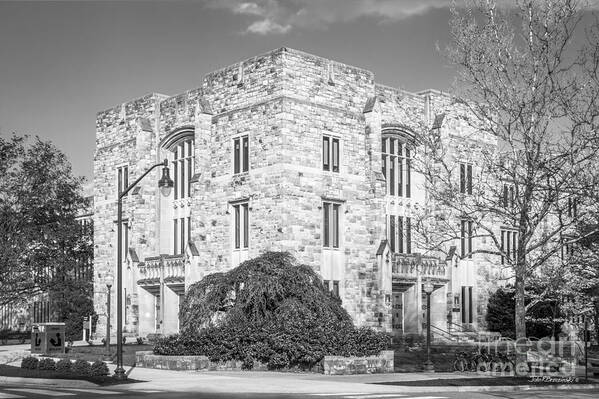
pixel 169 267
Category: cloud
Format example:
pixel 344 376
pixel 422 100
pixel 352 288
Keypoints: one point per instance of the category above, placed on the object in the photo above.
pixel 280 16
pixel 266 26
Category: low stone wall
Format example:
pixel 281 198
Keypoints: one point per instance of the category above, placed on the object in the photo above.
pixel 335 365
pixel 148 359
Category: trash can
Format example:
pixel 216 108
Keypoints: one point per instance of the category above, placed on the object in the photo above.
pixel 48 338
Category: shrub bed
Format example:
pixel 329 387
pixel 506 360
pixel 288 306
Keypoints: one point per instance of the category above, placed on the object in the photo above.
pixel 63 366
pixel 29 363
pixel 47 364
pixel 81 367
pixel 271 310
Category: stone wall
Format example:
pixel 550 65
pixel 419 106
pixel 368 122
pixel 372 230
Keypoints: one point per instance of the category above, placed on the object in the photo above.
pixel 339 365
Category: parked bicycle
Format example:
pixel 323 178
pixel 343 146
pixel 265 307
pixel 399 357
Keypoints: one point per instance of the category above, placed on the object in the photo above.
pixel 502 363
pixel 474 361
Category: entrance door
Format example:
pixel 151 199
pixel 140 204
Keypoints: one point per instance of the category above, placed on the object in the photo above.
pixel 397 314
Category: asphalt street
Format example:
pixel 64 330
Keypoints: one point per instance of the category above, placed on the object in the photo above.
pixel 21 392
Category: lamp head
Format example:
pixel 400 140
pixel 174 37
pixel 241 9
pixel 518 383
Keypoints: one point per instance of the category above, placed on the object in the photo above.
pixel 109 280
pixel 165 183
pixel 428 287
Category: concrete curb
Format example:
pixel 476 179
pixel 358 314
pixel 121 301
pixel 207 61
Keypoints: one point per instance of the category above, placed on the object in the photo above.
pixel 47 382
pixel 497 388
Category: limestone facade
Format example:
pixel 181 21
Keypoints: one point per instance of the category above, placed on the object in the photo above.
pixel 285 151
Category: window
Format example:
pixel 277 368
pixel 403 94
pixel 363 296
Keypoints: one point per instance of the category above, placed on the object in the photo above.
pixel 125 240
pixel 181 234
pixel 397 165
pixel 331 286
pixel 567 248
pixel 330 225
pixel 572 207
pixel 241 154
pixel 122 178
pixel 466 238
pixel 467 305
pixel 508 198
pixel 330 153
pixel 399 234
pixel 242 223
pixel 183 168
pixel 465 178
pixel 509 245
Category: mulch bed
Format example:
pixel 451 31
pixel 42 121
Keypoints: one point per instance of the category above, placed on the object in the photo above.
pixel 12 371
pixel 491 381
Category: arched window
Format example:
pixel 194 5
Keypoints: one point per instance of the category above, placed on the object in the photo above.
pixel 397 161
pixel 180 149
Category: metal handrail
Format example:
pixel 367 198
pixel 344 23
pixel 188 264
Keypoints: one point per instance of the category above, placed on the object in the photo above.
pixel 471 334
pixel 447 333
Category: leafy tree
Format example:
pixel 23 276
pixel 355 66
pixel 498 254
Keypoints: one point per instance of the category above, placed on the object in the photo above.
pixel 269 309
pixel 528 83
pixel 42 247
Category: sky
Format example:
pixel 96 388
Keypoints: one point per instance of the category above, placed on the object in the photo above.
pixel 62 62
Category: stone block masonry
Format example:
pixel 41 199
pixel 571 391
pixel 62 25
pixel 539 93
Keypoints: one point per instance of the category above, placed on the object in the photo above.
pixel 247 146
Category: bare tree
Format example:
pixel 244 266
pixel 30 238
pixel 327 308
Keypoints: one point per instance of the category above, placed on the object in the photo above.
pixel 527 96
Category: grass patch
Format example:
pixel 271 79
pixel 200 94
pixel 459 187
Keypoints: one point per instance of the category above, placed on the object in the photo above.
pixel 487 381
pixel 12 371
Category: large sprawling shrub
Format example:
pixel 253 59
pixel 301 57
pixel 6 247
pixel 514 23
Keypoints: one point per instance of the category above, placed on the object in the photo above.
pixel 269 309
pixel 81 367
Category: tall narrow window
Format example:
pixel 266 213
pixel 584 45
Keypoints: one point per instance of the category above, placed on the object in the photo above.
pixel 183 168
pixel 466 232
pixel 465 178
pixel 330 225
pixel 241 154
pixel 241 225
pixel 175 236
pixel 572 205
pixel 466 310
pixel 408 235
pixel 508 198
pixel 330 153
pixel 122 178
pixel 509 245
pixel 125 240
pixel 392 232
pixel 396 166
pixel 408 173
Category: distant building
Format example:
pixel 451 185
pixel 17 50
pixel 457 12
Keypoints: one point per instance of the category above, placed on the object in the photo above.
pixel 285 151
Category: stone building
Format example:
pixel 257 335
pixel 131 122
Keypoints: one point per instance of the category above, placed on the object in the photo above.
pixel 285 151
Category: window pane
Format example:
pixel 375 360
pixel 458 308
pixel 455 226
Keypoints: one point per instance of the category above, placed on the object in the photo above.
pixel 469 170
pixel 336 287
pixel 384 166
pixel 391 146
pixel 463 238
pixel 183 238
pixel 126 178
pixel 182 180
pixel 246 154
pixel 384 146
pixel 399 176
pixel 335 226
pixel 236 155
pixel 176 183
pixel 470 238
pixel 391 182
pixel 392 232
pixel 175 236
pixel 408 235
pixel 325 154
pixel 335 155
pixel 502 246
pixel 462 178
pixel 237 227
pixel 188 229
pixel 505 195
pixel 246 224
pixel 325 225
pixel 408 177
pixel 400 233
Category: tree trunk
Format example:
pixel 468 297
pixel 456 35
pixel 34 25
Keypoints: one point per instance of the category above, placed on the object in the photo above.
pixel 520 310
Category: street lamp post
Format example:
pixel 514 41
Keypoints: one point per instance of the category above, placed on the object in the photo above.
pixel 165 184
pixel 428 288
pixel 109 281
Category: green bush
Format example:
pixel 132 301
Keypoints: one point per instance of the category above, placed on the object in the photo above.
pixel 63 366
pixel 47 363
pixel 81 367
pixel 30 363
pixel 269 309
pixel 99 368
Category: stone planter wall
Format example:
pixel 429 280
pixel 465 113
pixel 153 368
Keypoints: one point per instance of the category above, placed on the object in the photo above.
pixel 335 365
pixel 148 359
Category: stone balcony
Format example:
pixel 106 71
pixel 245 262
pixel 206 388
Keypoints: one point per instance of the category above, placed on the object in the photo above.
pixel 407 269
pixel 162 269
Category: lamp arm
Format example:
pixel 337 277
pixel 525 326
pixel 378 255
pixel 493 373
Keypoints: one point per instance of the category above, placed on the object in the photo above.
pixel 125 191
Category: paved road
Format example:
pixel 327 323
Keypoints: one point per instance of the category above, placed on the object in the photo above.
pixel 21 392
